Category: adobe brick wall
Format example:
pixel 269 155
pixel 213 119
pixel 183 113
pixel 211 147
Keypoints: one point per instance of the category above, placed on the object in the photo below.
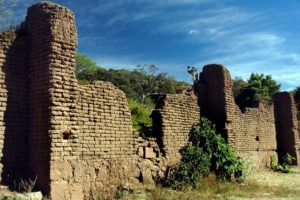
pixel 252 133
pixel 174 116
pixel 213 95
pixel 53 42
pixel 104 122
pixel 13 105
pixel 76 138
pixel 287 125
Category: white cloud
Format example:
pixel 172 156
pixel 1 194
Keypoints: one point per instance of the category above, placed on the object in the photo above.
pixel 243 40
pixel 193 32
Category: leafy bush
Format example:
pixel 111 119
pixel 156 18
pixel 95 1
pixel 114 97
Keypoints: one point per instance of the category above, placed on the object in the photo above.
pixel 224 162
pixel 141 116
pixel 195 164
pixel 285 167
pixel 207 151
pixel 274 161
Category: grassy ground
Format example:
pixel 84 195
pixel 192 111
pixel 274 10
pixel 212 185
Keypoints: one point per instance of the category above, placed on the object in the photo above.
pixel 260 185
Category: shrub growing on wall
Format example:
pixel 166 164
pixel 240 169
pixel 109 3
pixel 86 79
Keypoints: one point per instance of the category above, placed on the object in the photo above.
pixel 207 151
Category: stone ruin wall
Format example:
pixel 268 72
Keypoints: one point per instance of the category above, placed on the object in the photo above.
pixel 251 133
pixel 174 117
pixel 104 122
pixel 13 105
pixel 70 137
pixel 75 138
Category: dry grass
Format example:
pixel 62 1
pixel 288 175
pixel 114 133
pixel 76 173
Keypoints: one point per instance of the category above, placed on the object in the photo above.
pixel 210 188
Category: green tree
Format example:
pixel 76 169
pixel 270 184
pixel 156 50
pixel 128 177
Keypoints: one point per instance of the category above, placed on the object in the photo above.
pixel 238 84
pixel 139 84
pixel 296 93
pixel 85 68
pixel 141 117
pixel 263 86
pixel 145 79
pixel 257 88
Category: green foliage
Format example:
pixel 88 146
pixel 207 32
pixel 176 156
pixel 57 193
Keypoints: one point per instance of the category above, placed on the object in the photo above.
pixel 296 93
pixel 258 87
pixel 195 164
pixel 141 116
pixel 224 162
pixel 238 84
pixel 10 198
pixel 85 68
pixel 263 86
pixel 122 191
pixel 139 84
pixel 285 167
pixel 274 161
pixel 242 170
pixel 207 151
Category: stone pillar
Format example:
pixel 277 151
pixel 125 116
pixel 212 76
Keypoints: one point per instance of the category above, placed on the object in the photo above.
pixel 287 133
pixel 215 96
pixel 53 94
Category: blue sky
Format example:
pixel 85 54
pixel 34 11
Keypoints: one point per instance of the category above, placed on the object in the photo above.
pixel 245 35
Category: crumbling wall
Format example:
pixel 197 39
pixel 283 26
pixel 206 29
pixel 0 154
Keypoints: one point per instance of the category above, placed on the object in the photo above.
pixel 13 105
pixel 76 138
pixel 110 152
pixel 104 122
pixel 174 117
pixel 252 133
pixel 214 96
pixel 53 128
pixel 286 125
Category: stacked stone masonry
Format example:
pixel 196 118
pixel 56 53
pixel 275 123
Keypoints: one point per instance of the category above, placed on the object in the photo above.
pixel 176 114
pixel 104 122
pixel 251 133
pixel 74 139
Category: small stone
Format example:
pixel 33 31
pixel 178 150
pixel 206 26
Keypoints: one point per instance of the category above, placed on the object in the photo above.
pixel 149 153
pixel 30 196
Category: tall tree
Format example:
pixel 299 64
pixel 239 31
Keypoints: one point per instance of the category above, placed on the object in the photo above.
pixel 258 87
pixel 146 81
pixel 263 86
pixel 238 84
pixel 138 84
pixel 85 68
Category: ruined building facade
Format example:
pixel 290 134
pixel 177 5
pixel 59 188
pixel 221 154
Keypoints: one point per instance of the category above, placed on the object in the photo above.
pixel 73 138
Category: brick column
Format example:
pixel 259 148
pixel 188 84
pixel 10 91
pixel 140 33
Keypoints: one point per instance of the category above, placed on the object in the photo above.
pixel 287 132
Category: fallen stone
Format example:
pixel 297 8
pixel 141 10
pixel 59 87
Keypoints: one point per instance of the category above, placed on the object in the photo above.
pixel 149 153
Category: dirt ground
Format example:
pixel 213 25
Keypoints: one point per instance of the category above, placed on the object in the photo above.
pixel 282 186
pixel 261 185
